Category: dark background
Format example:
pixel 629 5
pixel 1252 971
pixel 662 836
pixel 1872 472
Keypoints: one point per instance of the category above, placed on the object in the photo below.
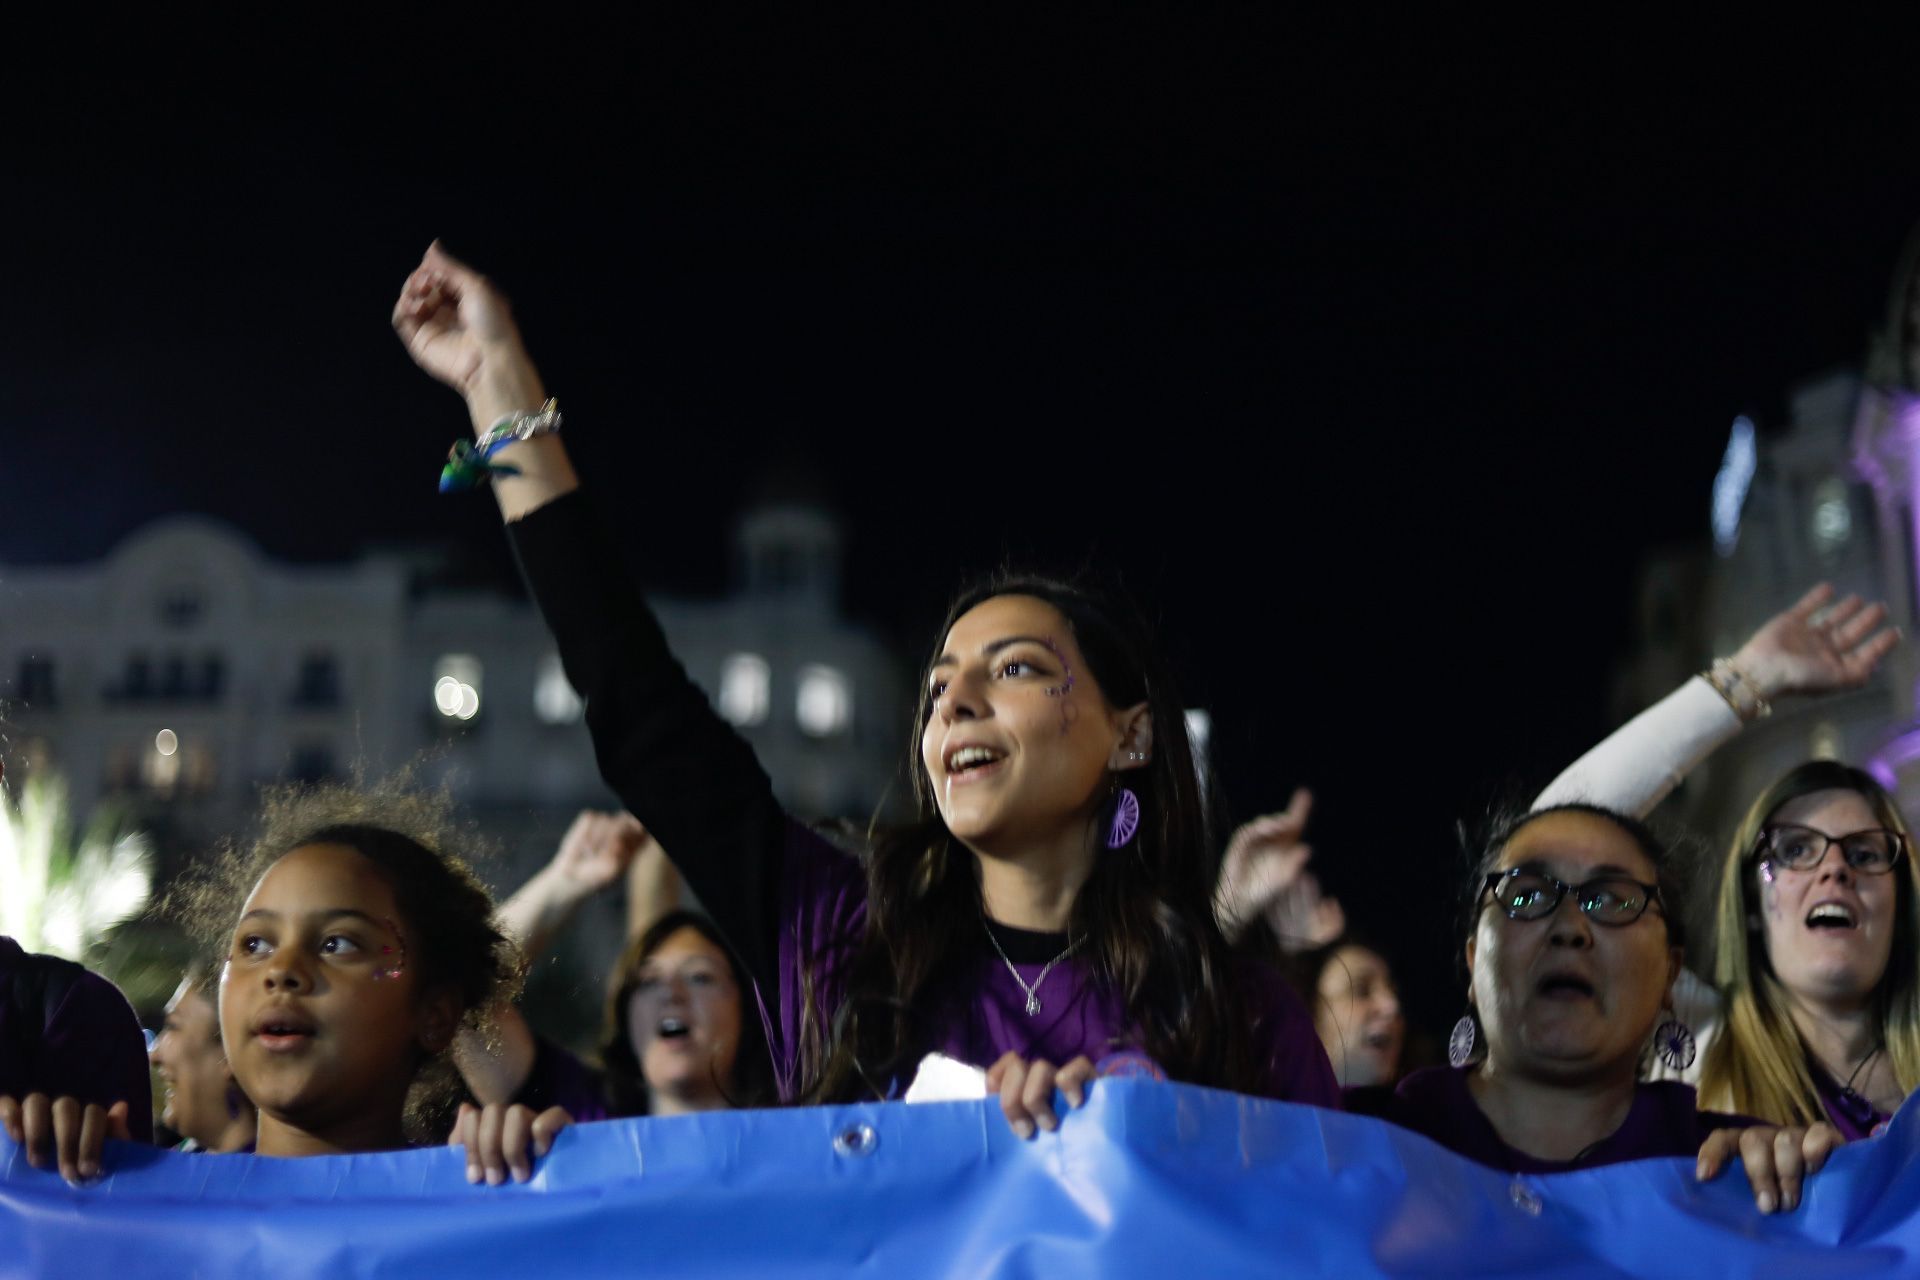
pixel 1377 361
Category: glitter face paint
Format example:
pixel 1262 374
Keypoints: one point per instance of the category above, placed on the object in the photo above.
pixel 1061 691
pixel 400 964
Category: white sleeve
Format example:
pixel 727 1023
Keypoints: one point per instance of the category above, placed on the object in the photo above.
pixel 1646 758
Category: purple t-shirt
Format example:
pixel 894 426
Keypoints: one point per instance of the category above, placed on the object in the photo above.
pixel 1437 1104
pixel 982 1011
pixel 66 1032
pixel 791 904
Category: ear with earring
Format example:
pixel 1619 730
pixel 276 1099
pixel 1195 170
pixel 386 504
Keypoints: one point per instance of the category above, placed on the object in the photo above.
pixel 1126 809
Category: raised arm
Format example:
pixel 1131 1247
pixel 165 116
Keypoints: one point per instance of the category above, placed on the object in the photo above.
pixel 1812 649
pixel 459 328
pixel 594 855
pixel 1263 863
pixel 673 761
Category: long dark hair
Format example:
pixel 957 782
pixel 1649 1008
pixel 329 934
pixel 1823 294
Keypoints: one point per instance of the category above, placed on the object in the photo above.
pixel 1145 912
pixel 750 1084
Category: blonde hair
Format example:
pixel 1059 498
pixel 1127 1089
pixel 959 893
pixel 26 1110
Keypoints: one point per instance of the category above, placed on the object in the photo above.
pixel 1757 1065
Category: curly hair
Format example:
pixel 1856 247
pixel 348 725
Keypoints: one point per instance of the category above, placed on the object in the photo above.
pixel 411 837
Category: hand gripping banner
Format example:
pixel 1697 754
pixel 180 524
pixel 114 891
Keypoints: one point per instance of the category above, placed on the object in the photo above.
pixel 1148 1179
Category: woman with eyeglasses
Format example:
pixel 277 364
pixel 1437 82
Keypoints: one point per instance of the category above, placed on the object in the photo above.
pixel 1817 1008
pixel 1573 939
pixel 1815 955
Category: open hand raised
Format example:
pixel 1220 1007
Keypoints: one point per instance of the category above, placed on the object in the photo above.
pixel 1263 860
pixel 1815 647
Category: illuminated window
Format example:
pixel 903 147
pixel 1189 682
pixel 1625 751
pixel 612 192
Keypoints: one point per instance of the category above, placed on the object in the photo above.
pixel 746 685
pixel 554 700
pixel 824 704
pixel 160 767
pixel 1832 514
pixel 456 686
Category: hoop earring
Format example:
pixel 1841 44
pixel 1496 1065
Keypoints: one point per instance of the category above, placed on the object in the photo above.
pixel 1673 1043
pixel 1464 1040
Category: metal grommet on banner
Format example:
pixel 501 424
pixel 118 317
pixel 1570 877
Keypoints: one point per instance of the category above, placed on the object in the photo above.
pixel 1526 1199
pixel 856 1140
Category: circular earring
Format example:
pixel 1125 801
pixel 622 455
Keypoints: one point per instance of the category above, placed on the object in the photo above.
pixel 1126 818
pixel 1463 1041
pixel 1673 1043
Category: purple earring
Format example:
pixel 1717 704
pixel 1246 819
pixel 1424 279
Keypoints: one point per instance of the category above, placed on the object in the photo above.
pixel 1126 818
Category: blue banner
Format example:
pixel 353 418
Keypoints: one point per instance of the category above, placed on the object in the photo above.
pixel 1147 1180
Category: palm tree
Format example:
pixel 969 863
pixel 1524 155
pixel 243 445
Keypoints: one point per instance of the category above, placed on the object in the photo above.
pixel 59 896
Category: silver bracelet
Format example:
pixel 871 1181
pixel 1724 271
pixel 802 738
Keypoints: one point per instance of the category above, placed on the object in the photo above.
pixel 521 426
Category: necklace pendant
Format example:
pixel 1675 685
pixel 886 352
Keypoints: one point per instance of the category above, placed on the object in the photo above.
pixel 1033 1003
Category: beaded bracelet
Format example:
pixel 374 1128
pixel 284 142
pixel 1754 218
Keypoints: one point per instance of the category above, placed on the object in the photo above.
pixel 1738 688
pixel 470 463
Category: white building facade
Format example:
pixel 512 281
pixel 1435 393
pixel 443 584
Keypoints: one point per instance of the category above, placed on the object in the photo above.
pixel 185 669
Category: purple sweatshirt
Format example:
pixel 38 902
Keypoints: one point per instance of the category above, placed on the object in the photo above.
pixel 66 1032
pixel 794 906
pixel 1437 1104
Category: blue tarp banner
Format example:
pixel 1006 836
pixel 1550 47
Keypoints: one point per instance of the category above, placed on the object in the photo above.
pixel 1147 1180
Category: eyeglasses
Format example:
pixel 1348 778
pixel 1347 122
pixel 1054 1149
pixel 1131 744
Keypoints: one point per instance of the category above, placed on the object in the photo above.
pixel 1532 895
pixel 1871 852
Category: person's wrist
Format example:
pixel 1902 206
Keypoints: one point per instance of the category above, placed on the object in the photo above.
pixel 506 384
pixel 1760 673
pixel 1741 689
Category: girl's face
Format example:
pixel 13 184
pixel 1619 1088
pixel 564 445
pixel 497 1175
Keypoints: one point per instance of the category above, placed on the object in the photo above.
pixel 1020 739
pixel 1564 997
pixel 192 1068
pixel 319 1004
pixel 1827 930
pixel 1357 1012
pixel 683 1019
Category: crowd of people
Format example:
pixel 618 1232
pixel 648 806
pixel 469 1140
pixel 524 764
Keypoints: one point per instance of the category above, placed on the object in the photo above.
pixel 1050 916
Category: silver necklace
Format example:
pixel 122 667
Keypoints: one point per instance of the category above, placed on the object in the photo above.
pixel 1033 992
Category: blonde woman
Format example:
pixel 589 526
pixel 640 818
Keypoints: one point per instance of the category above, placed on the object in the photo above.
pixel 1807 1022
pixel 1817 956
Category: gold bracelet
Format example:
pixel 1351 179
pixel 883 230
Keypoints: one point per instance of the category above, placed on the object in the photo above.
pixel 1739 689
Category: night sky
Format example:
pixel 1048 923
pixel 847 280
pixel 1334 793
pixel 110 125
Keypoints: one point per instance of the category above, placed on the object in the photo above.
pixel 1376 364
